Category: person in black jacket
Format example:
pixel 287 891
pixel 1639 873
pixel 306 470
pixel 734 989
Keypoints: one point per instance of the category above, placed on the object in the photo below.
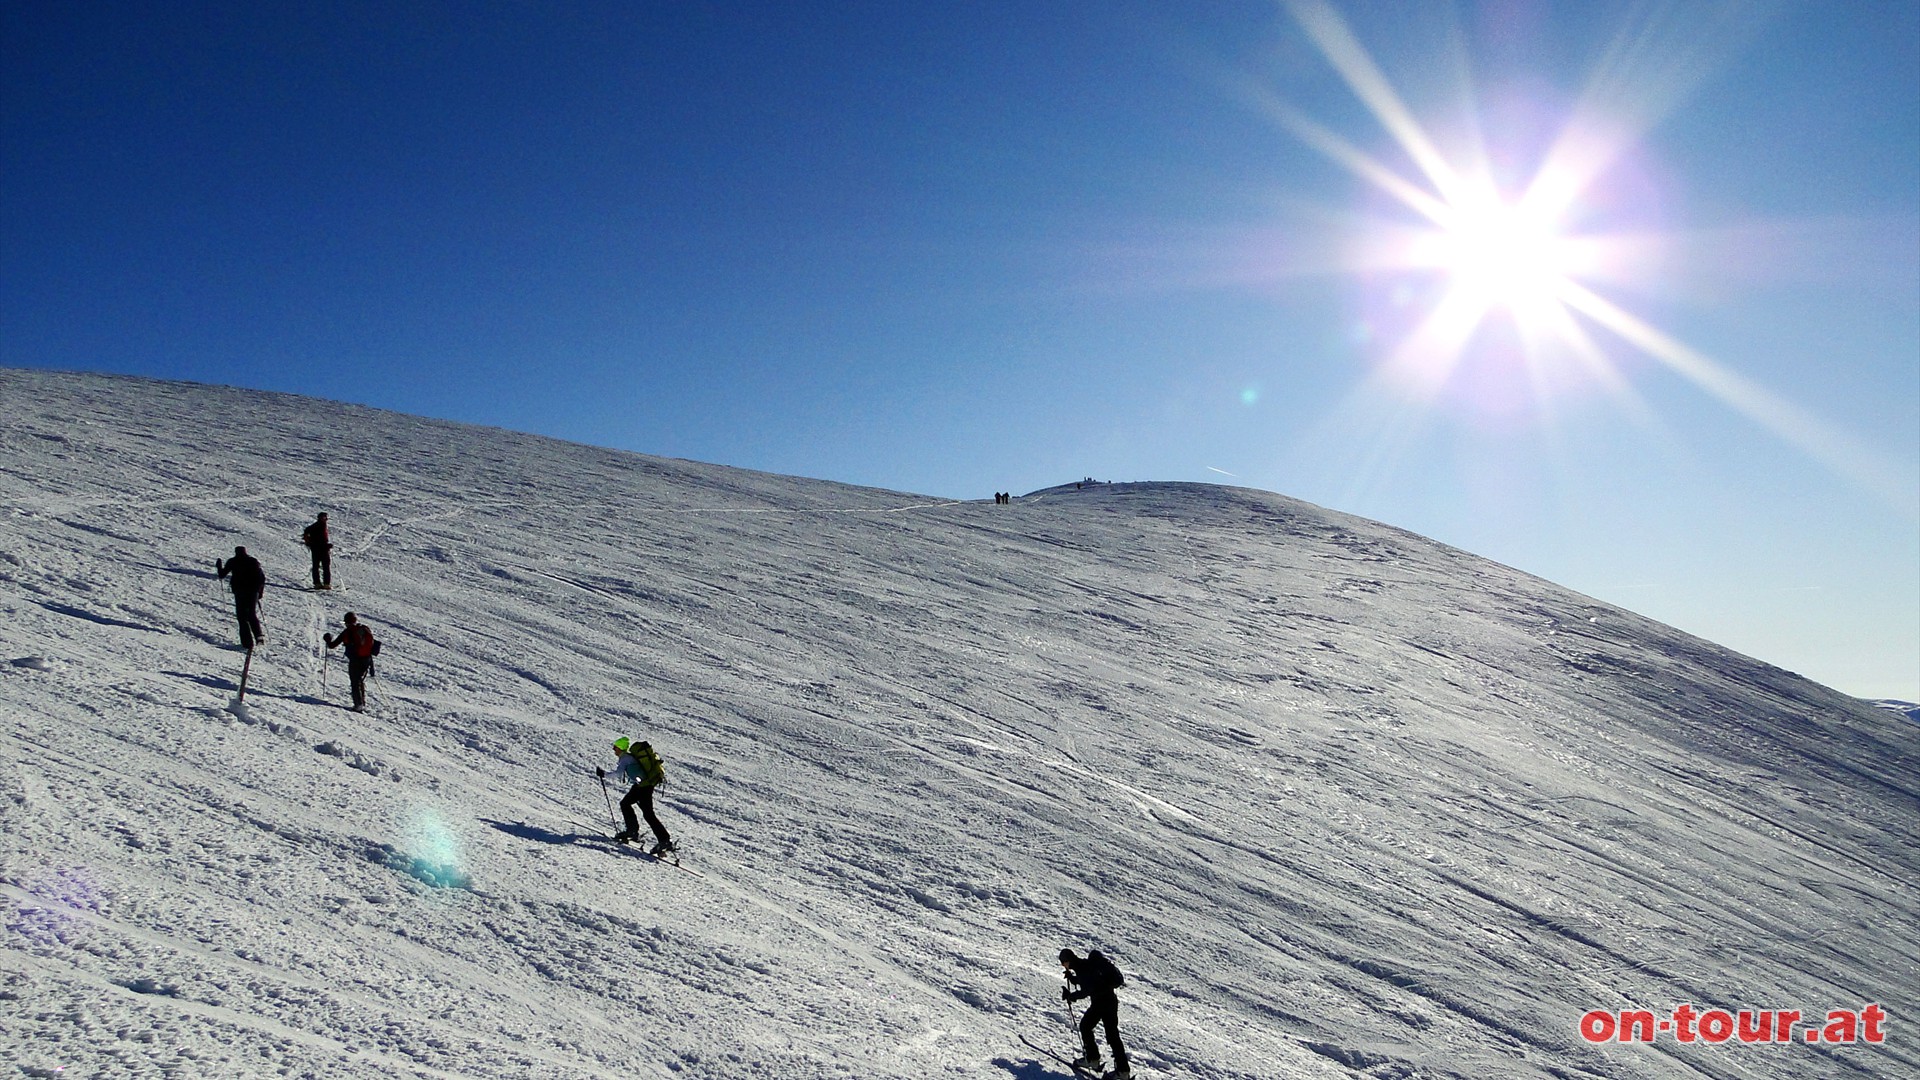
pixel 249 584
pixel 1096 980
pixel 320 546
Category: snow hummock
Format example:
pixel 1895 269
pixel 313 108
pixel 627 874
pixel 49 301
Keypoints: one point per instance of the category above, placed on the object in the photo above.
pixel 1340 800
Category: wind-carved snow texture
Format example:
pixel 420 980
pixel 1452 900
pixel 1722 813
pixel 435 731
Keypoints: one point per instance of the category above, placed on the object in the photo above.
pixel 1340 800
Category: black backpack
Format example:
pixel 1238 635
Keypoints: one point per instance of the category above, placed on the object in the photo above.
pixel 1097 972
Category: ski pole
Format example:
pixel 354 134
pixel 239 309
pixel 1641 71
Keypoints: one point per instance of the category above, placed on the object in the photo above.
pixel 245 669
pixel 609 798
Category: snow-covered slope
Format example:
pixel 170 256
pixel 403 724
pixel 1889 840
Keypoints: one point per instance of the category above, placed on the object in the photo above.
pixel 1339 799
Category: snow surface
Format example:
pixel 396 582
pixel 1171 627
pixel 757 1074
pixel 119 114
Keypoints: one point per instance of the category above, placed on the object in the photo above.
pixel 1341 801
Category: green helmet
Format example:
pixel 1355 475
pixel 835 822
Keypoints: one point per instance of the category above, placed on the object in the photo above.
pixel 621 744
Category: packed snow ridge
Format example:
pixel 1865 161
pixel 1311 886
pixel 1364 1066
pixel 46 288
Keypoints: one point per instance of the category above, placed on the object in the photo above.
pixel 1339 800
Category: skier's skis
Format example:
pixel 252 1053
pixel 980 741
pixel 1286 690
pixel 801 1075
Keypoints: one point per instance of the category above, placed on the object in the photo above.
pixel 1078 1070
pixel 663 860
pixel 673 862
pixel 630 848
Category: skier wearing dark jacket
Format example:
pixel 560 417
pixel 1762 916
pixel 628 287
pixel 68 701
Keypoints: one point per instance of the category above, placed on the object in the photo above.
pixel 360 648
pixel 249 584
pixel 1097 979
pixel 638 766
pixel 321 548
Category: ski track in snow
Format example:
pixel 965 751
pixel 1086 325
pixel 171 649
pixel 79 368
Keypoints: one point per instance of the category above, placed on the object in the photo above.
pixel 1341 801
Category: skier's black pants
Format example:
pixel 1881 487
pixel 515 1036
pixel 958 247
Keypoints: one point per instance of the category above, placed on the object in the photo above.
pixel 1103 1009
pixel 642 795
pixel 357 668
pixel 246 610
pixel 322 566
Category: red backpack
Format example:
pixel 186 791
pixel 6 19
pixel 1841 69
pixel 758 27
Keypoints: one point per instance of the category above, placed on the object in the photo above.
pixel 359 642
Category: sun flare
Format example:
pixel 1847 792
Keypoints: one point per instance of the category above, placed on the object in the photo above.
pixel 1499 255
pixel 1521 257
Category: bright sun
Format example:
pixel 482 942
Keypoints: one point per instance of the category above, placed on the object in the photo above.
pixel 1500 255
pixel 1520 257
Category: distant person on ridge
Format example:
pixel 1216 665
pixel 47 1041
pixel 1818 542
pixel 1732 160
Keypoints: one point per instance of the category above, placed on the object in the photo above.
pixel 321 548
pixel 361 649
pixel 638 766
pixel 249 584
pixel 1097 980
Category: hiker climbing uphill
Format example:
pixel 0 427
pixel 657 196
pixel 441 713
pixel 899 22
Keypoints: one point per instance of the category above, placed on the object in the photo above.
pixel 1095 978
pixel 320 546
pixel 638 766
pixel 249 583
pixel 360 648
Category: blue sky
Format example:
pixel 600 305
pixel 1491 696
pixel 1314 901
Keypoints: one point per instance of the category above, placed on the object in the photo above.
pixel 954 249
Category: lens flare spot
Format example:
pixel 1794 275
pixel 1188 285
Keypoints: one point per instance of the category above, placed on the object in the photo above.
pixel 432 855
pixel 434 840
pixel 46 913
